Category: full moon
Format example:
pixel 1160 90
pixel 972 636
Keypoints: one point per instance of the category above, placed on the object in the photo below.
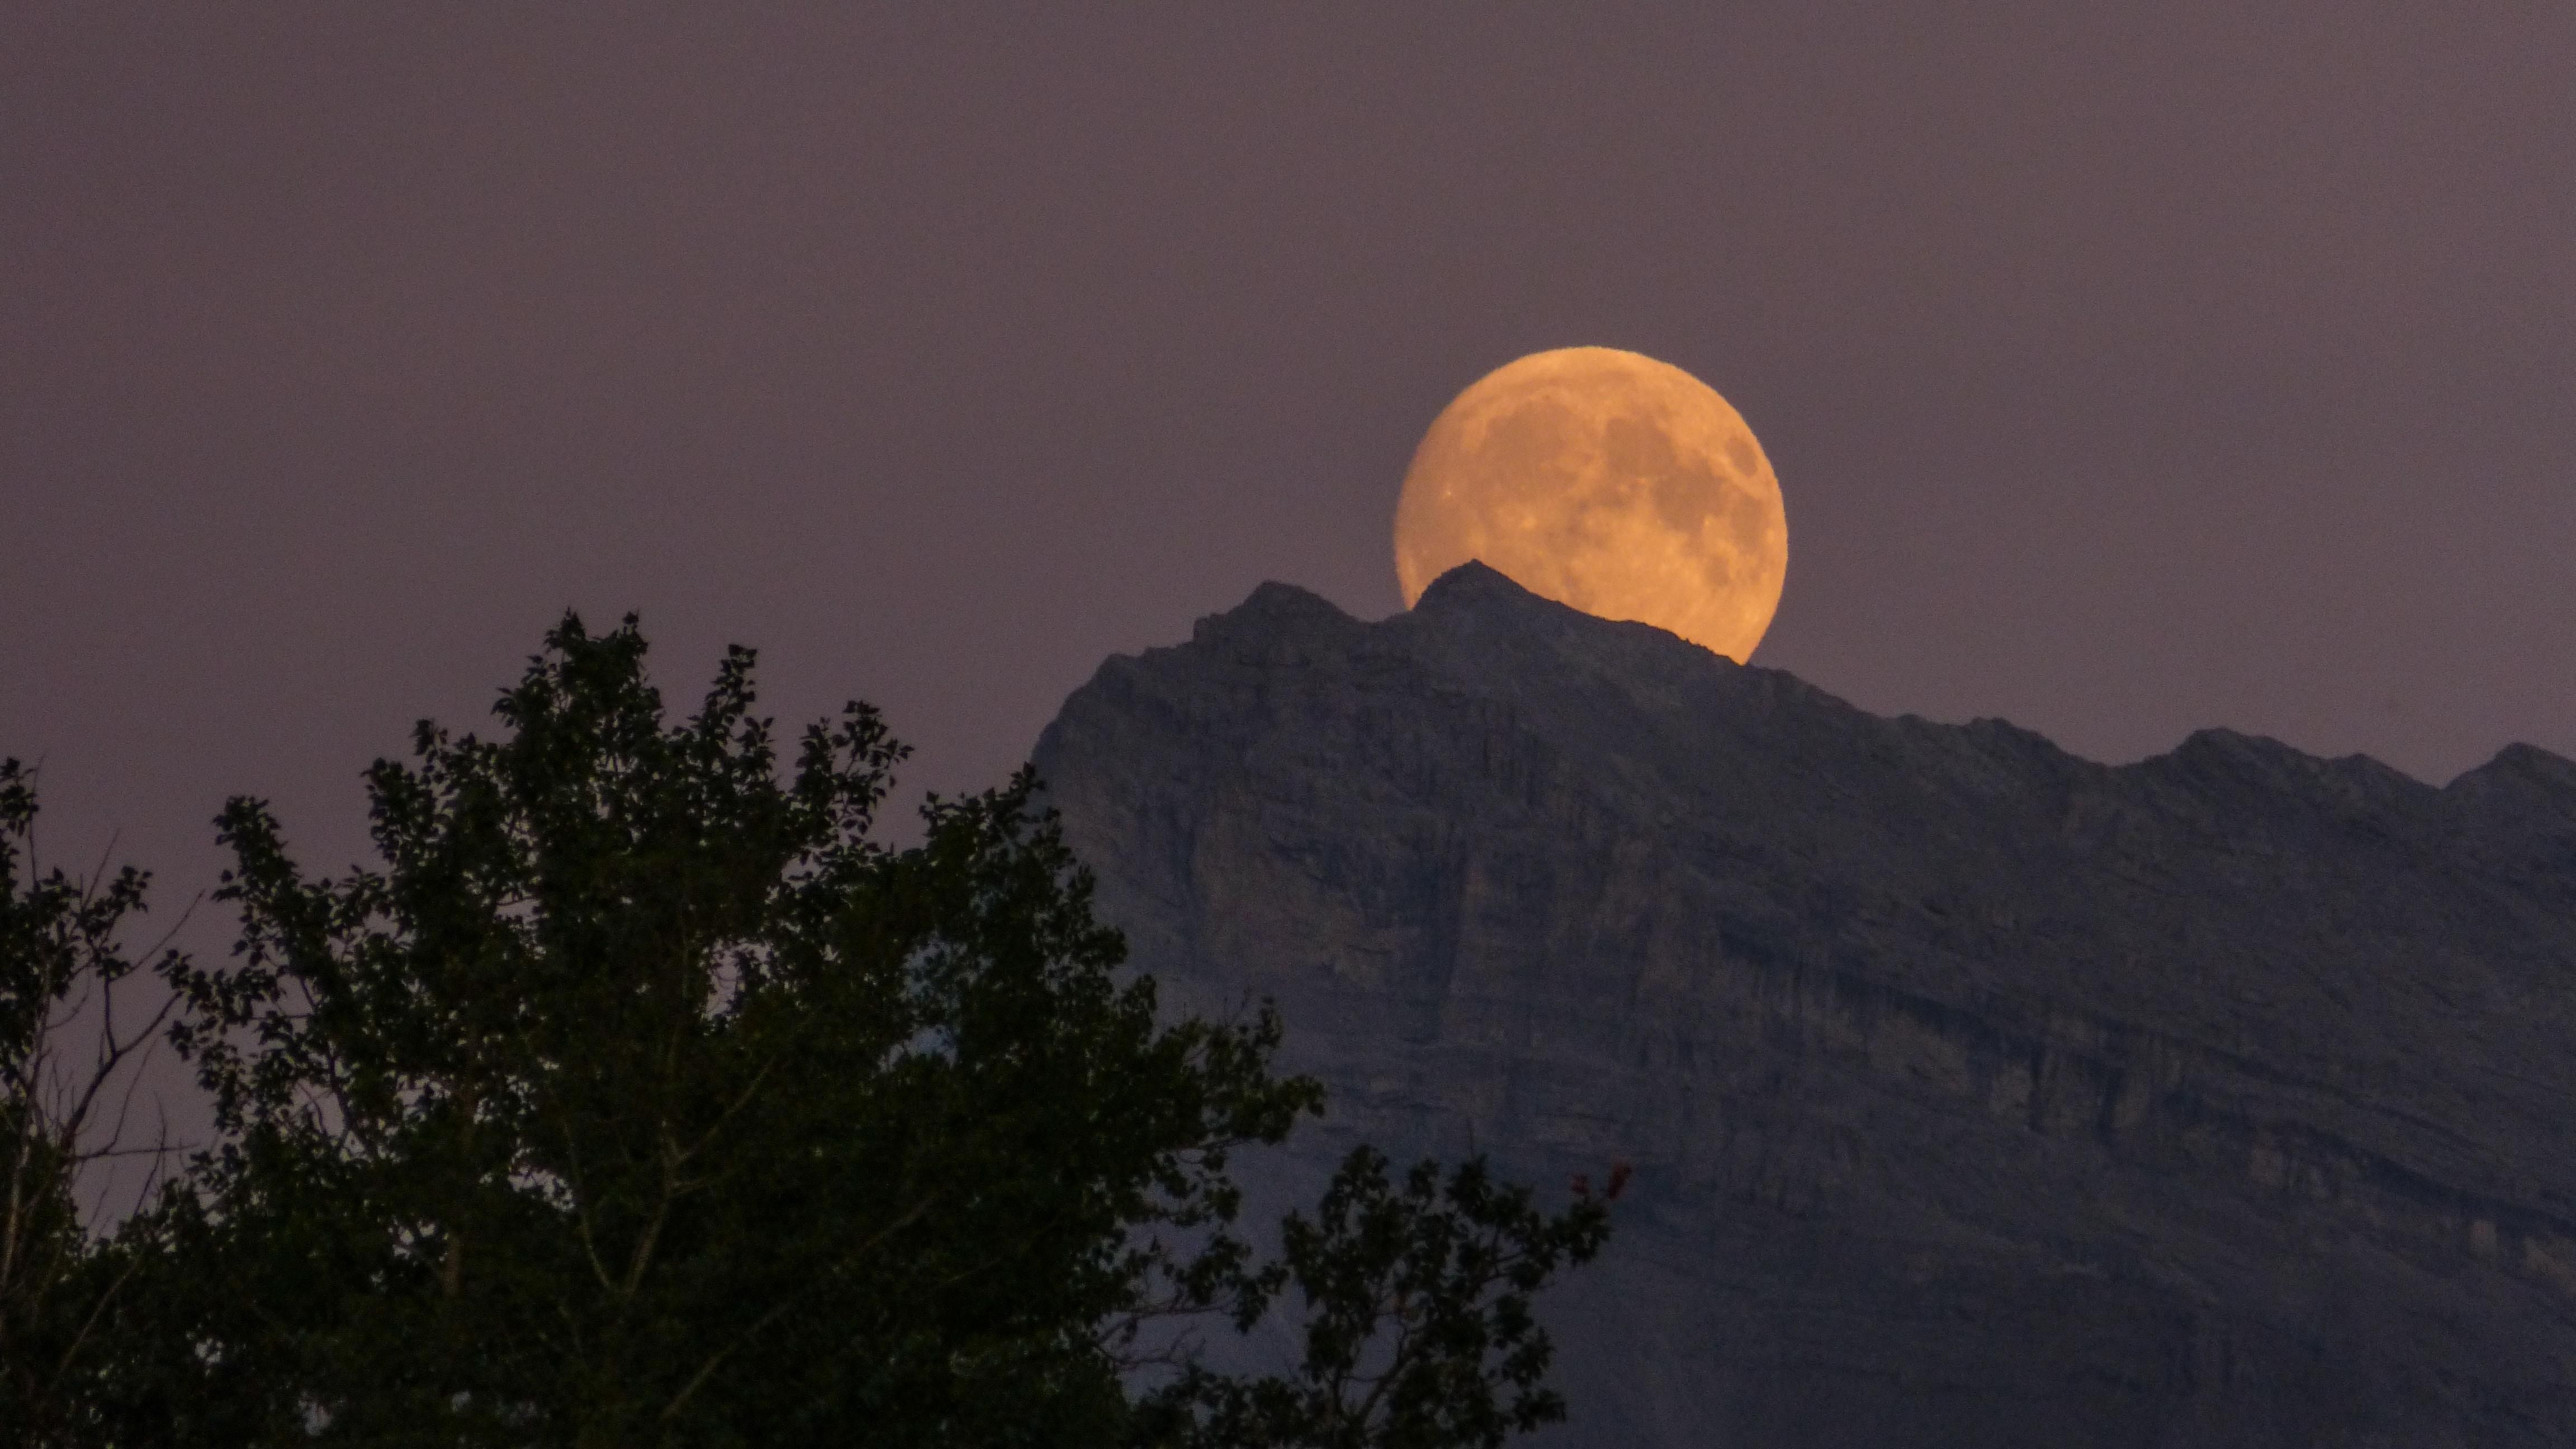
pixel 1609 482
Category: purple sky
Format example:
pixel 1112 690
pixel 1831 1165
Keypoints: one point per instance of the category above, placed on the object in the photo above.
pixel 2127 369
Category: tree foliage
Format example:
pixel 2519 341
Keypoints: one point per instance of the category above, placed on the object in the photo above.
pixel 640 1094
pixel 1418 1332
pixel 66 1059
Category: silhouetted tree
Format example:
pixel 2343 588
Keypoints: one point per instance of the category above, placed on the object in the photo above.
pixel 1417 1330
pixel 66 1081
pixel 641 1096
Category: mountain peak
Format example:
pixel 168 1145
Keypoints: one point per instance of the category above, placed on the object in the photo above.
pixel 1977 1093
pixel 1470 584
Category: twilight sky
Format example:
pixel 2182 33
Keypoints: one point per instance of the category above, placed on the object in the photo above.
pixel 2127 369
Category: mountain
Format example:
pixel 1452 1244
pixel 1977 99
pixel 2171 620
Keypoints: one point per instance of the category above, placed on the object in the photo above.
pixel 1979 1095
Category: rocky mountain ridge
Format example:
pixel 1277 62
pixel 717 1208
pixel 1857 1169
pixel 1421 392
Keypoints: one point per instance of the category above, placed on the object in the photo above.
pixel 1979 1094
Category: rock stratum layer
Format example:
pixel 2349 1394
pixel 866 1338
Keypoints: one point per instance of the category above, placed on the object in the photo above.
pixel 1979 1095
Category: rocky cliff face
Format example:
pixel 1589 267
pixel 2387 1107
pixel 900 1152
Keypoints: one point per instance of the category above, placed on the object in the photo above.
pixel 1979 1095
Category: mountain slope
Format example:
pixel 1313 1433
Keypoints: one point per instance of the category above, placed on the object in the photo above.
pixel 1979 1094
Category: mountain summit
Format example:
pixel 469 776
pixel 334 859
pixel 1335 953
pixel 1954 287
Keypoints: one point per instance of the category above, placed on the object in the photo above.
pixel 1978 1095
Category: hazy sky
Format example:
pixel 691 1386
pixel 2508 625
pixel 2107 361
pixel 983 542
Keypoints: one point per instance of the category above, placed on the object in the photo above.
pixel 2127 368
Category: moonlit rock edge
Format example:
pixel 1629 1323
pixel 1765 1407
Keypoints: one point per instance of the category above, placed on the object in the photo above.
pixel 1978 1094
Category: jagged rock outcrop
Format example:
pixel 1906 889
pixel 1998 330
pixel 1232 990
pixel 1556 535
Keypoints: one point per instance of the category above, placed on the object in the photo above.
pixel 1979 1095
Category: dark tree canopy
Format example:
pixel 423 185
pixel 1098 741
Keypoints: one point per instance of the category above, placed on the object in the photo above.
pixel 65 1090
pixel 640 1095
pixel 1418 1332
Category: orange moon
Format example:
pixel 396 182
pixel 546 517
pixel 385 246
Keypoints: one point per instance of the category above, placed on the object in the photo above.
pixel 1609 482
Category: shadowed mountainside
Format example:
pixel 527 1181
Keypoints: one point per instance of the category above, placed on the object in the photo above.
pixel 1979 1095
